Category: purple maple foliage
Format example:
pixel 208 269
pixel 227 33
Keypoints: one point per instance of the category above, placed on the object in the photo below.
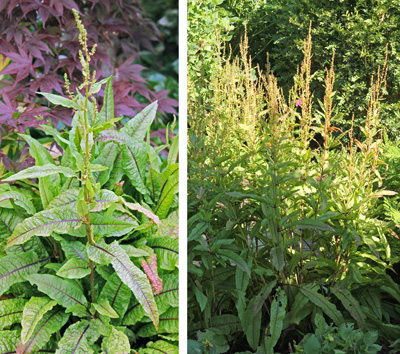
pixel 40 39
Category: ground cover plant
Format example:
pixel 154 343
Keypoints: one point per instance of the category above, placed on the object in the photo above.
pixel 288 248
pixel 89 241
pixel 39 43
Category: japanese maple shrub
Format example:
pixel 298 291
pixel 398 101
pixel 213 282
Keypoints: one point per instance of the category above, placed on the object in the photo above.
pixel 91 249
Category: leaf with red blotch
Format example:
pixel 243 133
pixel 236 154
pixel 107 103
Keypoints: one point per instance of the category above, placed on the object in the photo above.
pixel 150 268
pixel 7 109
pixel 165 104
pixel 22 64
pixel 16 33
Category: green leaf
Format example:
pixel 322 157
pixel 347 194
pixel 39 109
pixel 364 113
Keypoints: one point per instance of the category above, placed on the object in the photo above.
pixel 117 293
pixel 168 297
pixel 104 308
pixel 173 152
pixel 301 308
pixel 73 249
pixel 251 324
pixel 67 198
pixel 65 292
pixel 310 291
pixel 59 100
pixel 74 268
pixel 41 171
pixel 79 338
pixel 106 158
pixel 34 311
pixel 138 126
pixel 169 323
pixel 311 224
pixel 45 223
pixel 350 304
pixel 312 346
pixel 277 258
pixel 9 341
pixel 14 267
pixel 9 219
pixel 19 199
pixel 116 343
pixel 107 112
pixel 111 226
pixel 234 258
pixel 50 323
pixel 134 164
pixel 168 191
pixel 161 347
pixel 133 158
pixel 278 312
pixel 167 251
pixel 132 276
pixel 11 312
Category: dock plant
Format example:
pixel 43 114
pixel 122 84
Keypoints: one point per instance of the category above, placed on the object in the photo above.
pixel 284 225
pixel 89 243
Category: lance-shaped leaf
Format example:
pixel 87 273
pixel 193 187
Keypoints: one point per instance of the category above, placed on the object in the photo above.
pixel 19 199
pixel 167 251
pixel 111 226
pixel 117 293
pixel 9 219
pixel 51 322
pixel 169 297
pixel 167 195
pixel 147 212
pixel 251 324
pixel 65 292
pixel 104 308
pixel 79 338
pixel 73 249
pixel 169 226
pixel 350 304
pixel 138 126
pixel 74 268
pixel 116 343
pixel 34 244
pixel 132 276
pixel 44 223
pixel 107 111
pixel 67 198
pixel 133 158
pixel 321 301
pixel 34 310
pixel 47 184
pixel 59 100
pixel 278 312
pixel 159 347
pixel 41 171
pixel 9 341
pixel 104 199
pixel 14 267
pixel 169 323
pixel 134 252
pixel 11 312
pixel 106 158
